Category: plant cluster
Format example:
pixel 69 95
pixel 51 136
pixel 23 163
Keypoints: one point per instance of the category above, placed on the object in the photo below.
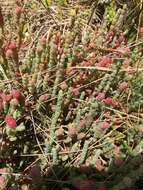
pixel 71 97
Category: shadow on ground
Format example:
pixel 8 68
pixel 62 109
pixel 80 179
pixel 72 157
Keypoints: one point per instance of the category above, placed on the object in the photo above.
pixel 127 175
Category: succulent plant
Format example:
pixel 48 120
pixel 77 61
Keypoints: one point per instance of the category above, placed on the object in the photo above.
pixel 76 91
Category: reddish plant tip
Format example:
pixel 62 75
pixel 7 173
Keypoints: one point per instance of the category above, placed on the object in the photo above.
pixel 9 53
pixel 5 97
pixel 110 34
pixel 123 86
pixel 16 94
pixel 71 130
pixel 100 96
pixel 108 101
pixel 105 61
pixel 111 102
pixel 119 41
pixel 44 97
pixel 123 51
pixel 14 102
pixel 104 125
pixel 59 50
pixel 64 86
pixel 4 170
pixel 10 121
pixel 116 150
pixel 75 91
pixel 82 123
pixel 19 10
pixel 12 46
pixel 121 38
pixel 86 63
pixel 126 63
pixel 3 182
pixel 99 165
pixel 141 30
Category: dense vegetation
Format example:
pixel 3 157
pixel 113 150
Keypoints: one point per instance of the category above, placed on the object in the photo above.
pixel 71 95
